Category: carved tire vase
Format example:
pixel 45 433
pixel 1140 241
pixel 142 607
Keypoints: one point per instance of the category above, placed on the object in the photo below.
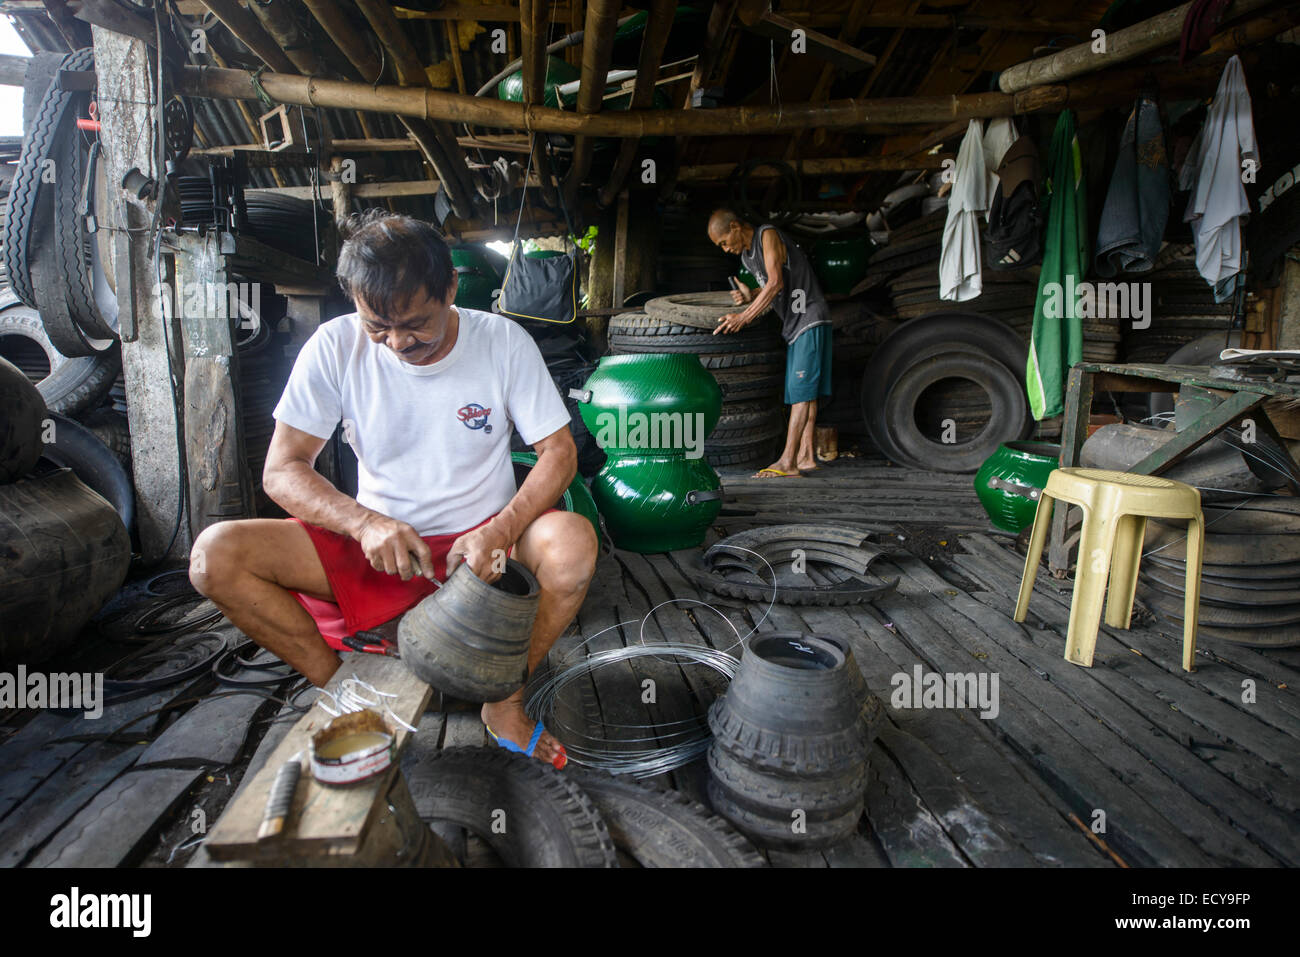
pixel 470 639
pixel 787 763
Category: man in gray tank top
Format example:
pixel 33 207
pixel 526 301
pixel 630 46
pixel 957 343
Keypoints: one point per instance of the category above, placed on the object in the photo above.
pixel 790 288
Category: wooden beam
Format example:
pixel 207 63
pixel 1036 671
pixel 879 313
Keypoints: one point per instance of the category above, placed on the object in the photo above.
pixel 747 120
pixel 453 44
pixel 396 144
pixel 1121 46
pixel 284 29
pixel 837 53
pixel 435 135
pixel 655 37
pixel 416 187
pixel 249 32
pixel 491 12
pixel 830 166
pixel 347 38
pixel 597 49
pixel 534 27
pixel 13 69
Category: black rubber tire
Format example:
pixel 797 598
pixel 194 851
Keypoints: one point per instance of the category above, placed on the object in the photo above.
pixel 704 343
pixel 548 820
pixel 662 828
pixel 20 230
pixel 73 384
pixel 927 336
pixel 749 420
pixel 111 428
pixel 77 448
pixel 74 248
pixel 65 554
pixel 21 413
pixel 698 309
pixel 1009 409
pixel 1216 468
pixel 745 450
pixel 636 324
pixel 762 806
pixel 750 382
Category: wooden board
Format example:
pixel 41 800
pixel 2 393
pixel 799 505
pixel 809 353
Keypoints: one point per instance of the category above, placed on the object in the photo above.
pixel 324 820
pixel 212 732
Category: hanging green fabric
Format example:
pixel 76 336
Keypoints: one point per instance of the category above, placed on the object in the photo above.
pixel 1057 341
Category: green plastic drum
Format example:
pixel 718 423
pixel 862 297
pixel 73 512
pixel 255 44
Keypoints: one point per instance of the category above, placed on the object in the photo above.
pixel 841 263
pixel 657 503
pixel 663 402
pixel 478 277
pixel 1010 481
pixel 576 498
pixel 558 72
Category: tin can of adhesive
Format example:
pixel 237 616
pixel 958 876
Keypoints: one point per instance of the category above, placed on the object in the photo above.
pixel 352 747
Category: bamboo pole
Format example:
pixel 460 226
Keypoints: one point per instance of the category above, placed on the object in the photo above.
pixel 744 120
pixel 827 166
pixel 347 38
pixel 1120 47
pixel 597 49
pixel 653 40
pixel 250 33
pixel 533 30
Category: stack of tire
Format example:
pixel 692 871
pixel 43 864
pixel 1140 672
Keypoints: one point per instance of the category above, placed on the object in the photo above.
pixel 65 547
pixel 788 759
pixel 1182 308
pixel 945 390
pixel 1250 576
pixel 749 366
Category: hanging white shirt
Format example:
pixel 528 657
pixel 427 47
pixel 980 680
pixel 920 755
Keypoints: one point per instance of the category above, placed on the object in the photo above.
pixel 1213 172
pixel 998 137
pixel 959 258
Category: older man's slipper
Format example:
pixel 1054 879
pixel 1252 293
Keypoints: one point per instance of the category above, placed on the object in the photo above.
pixel 559 761
pixel 778 473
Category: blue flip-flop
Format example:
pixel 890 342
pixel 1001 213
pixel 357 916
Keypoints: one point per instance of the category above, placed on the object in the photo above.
pixel 559 761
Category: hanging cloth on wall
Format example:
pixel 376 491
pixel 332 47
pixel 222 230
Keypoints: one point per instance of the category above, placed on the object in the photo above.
pixel 1213 173
pixel 959 257
pixel 1137 203
pixel 1057 340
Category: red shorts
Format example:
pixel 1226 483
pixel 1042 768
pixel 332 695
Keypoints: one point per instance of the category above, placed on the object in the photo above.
pixel 363 596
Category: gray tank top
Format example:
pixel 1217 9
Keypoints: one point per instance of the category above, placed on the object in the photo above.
pixel 797 312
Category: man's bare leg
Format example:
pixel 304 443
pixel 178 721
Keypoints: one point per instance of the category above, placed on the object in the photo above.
pixel 801 420
pixel 559 548
pixel 806 457
pixel 249 569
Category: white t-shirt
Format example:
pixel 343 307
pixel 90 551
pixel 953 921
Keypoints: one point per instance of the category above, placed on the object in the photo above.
pixel 432 442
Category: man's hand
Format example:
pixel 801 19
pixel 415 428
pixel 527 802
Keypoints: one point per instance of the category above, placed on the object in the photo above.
pixel 742 295
pixel 483 549
pixel 732 322
pixel 395 547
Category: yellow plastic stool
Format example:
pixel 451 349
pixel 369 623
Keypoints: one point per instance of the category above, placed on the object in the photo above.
pixel 1115 506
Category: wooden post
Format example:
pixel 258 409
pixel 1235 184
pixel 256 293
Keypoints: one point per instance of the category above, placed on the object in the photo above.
pixel 340 192
pixel 127 122
pixel 219 484
pixel 620 251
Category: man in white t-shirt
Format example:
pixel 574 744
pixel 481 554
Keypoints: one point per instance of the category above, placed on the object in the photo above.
pixel 427 394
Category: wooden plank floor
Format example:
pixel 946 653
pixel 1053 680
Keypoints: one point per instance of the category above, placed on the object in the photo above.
pixel 1131 762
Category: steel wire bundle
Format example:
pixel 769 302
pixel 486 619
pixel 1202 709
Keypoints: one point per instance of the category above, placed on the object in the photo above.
pixel 654 757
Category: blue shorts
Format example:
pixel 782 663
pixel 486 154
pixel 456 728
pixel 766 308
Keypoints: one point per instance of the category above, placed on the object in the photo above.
pixel 808 366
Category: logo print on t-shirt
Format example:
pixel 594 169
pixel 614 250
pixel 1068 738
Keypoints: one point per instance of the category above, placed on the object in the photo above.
pixel 475 417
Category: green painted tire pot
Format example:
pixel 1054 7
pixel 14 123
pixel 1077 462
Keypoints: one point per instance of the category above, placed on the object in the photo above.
pixel 657 503
pixel 558 72
pixel 469 639
pixel 576 498
pixel 840 263
pixel 477 277
pixel 621 398
pixel 1011 480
